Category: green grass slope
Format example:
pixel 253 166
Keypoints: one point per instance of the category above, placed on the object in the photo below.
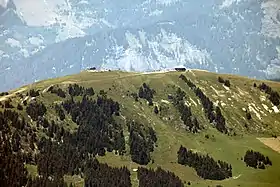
pixel 240 96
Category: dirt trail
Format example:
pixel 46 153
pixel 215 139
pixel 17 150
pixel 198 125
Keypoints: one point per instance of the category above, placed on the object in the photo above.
pixel 99 80
pixel 3 98
pixel 70 82
pixel 273 143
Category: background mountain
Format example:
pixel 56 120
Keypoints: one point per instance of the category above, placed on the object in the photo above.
pixel 43 39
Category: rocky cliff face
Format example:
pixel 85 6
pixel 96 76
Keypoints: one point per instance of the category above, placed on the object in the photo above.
pixel 54 38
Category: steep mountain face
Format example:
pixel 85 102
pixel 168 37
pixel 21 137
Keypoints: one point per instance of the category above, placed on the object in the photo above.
pixel 120 129
pixel 56 38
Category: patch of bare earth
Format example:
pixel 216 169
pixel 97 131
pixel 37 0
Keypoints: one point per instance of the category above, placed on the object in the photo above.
pixel 273 143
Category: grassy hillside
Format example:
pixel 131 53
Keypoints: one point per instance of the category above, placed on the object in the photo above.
pixel 234 101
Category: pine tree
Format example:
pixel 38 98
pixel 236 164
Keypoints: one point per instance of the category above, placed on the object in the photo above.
pixel 156 110
pixel 227 83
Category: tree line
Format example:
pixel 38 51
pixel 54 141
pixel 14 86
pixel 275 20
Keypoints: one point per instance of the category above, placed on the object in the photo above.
pixel 60 152
pixel 77 90
pixel 273 96
pixel 158 177
pixel 256 159
pixel 56 160
pixel 96 122
pixel 102 175
pixel 213 114
pixel 206 167
pixel 145 92
pixel 141 142
pixel 73 153
pixel 187 117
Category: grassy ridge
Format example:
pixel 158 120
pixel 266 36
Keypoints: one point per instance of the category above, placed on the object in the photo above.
pixel 242 94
